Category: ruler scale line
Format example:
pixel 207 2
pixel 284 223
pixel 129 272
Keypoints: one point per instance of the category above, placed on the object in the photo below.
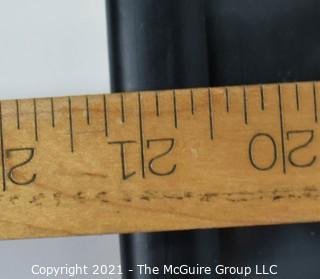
pixel 141 133
pixel 18 114
pixel 87 110
pixel 210 114
pixel 315 99
pixel 3 167
pixel 122 108
pixel 175 114
pixel 105 115
pixel 53 124
pixel 227 99
pixel 70 124
pixel 35 119
pixel 262 97
pixel 297 96
pixel 281 118
pixel 157 104
pixel 192 101
pixel 245 111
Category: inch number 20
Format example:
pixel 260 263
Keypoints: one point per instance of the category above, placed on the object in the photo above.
pixel 261 140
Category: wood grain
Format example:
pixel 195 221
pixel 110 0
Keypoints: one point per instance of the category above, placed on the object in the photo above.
pixel 157 161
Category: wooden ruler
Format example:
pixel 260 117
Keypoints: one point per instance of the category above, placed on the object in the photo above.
pixel 156 161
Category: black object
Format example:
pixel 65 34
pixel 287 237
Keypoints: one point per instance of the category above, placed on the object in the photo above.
pixel 159 44
pixel 263 42
pixel 167 44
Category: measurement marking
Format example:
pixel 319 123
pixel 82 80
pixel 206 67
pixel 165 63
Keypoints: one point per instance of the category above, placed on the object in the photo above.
pixel 18 114
pixel 157 104
pixel 70 124
pixel 297 96
pixel 4 187
pixel 122 109
pixel 192 101
pixel 88 110
pixel 210 113
pixel 282 130
pixel 315 102
pixel 245 111
pixel 262 97
pixel 52 113
pixel 175 109
pixel 35 118
pixel 105 114
pixel 227 99
pixel 141 135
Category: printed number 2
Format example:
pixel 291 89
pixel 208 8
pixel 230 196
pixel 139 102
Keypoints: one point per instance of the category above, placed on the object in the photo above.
pixel 12 170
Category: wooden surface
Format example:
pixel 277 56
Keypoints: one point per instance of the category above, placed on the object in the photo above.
pixel 202 158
